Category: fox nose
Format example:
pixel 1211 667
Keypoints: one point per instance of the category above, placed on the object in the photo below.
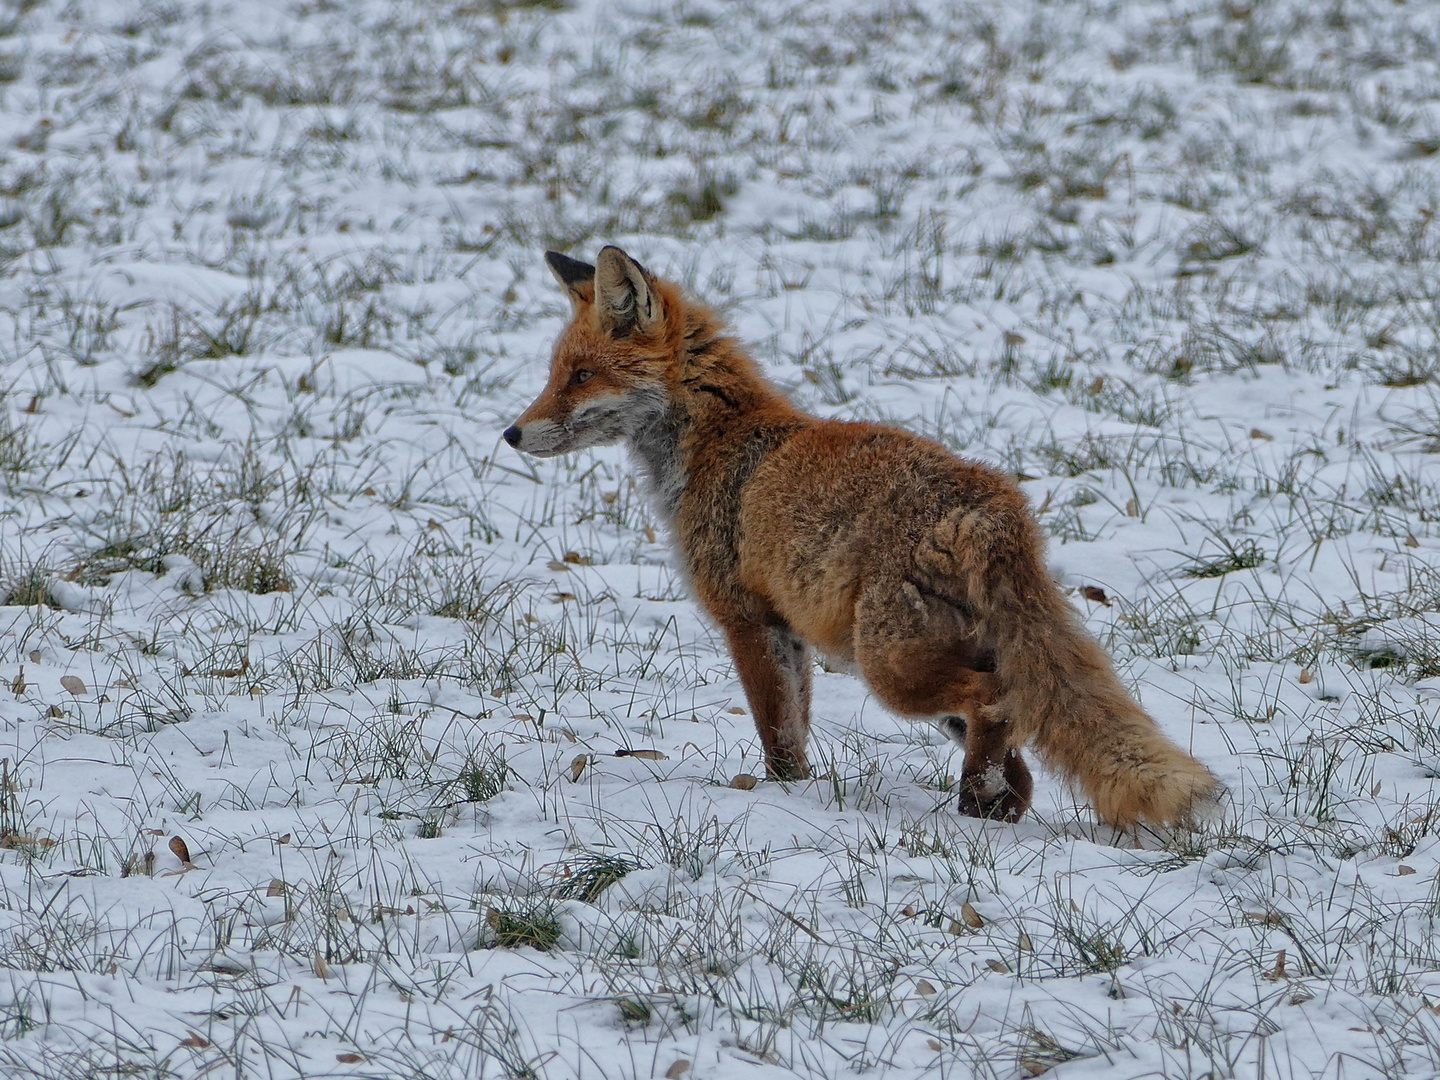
pixel 511 435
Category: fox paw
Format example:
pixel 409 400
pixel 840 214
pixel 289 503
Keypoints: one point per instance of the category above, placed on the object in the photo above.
pixel 787 767
pixel 998 791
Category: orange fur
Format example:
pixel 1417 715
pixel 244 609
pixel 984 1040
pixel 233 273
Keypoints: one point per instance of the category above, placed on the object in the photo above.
pixel 878 547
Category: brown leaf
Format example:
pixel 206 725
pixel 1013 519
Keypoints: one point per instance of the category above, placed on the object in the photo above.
pixel 1405 871
pixel 18 685
pixel 934 1044
pixel 648 755
pixel 1278 971
pixel 192 1039
pixel 577 767
pixel 971 916
pixel 1256 433
pixel 1095 593
pixel 649 533
pixel 678 1069
pixel 1410 541
pixel 576 559
pixel 1306 676
pixel 735 710
pixel 908 911
pixel 564 597
pixel 925 987
pixel 743 782
pixel 1026 945
pixel 181 850
pixel 55 712
pixel 276 888
pixel 284 839
pixel 349 1058
pixel 1012 338
pixel 998 966
pixel 556 564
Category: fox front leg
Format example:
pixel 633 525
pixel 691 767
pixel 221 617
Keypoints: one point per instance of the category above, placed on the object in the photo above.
pixel 774 667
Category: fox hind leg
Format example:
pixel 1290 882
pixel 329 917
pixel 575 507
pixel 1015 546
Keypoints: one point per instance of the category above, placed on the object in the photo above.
pixel 919 658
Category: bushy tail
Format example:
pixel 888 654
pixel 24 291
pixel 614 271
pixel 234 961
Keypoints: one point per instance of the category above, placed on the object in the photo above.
pixel 1058 690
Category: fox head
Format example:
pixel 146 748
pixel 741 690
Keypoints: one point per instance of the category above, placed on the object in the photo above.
pixel 610 368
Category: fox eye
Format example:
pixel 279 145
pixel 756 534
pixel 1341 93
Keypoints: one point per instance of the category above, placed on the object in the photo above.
pixel 584 375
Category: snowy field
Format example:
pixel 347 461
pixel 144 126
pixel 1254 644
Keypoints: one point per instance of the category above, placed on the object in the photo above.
pixel 340 740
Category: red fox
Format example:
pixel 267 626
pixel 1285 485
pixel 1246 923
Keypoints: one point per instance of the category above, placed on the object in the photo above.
pixel 921 571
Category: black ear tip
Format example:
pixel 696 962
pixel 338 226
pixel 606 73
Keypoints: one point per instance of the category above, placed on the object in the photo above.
pixel 569 271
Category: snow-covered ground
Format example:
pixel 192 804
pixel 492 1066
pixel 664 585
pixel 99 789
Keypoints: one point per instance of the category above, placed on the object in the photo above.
pixel 339 739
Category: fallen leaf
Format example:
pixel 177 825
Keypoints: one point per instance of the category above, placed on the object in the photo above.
pixel 1095 594
pixel 1410 541
pixel 934 1044
pixel 1026 945
pixel 192 1039
pixel 735 710
pixel 908 911
pixel 1096 385
pixel 1278 971
pixel 956 927
pixel 575 558
pixel 1306 676
pixel 648 755
pixel 320 966
pixel 35 653
pixel 556 564
pixel 677 1070
pixel 1256 433
pixel 1012 338
pixel 1405 871
pixel 276 888
pixel 349 1058
pixel 998 966
pixel 73 683
pixel 284 839
pixel 971 916
pixel 55 712
pixel 564 597
pixel 743 782
pixel 181 850
pixel 18 685
pixel 925 987
pixel 1033 1067
pixel 577 767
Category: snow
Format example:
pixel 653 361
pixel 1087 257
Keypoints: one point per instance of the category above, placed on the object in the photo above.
pixel 340 739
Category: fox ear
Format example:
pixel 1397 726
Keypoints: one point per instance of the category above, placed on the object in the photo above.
pixel 577 277
pixel 625 300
